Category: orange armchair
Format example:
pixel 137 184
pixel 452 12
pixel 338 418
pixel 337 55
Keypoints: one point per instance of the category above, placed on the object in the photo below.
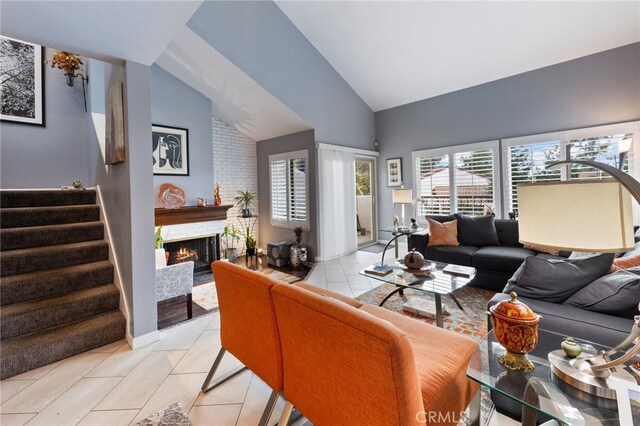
pixel 248 328
pixel 345 366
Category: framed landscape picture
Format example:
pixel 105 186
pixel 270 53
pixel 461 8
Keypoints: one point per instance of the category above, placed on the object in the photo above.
pixel 21 82
pixel 394 172
pixel 170 150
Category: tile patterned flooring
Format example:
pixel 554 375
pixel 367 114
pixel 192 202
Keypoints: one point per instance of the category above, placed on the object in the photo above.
pixel 114 385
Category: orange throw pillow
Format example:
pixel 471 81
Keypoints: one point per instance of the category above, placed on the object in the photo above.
pixel 625 263
pixel 539 249
pixel 443 234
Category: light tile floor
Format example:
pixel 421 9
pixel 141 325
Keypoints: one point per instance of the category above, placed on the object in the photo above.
pixel 114 385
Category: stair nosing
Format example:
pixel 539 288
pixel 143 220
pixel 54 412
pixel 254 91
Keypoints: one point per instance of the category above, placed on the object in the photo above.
pixel 57 247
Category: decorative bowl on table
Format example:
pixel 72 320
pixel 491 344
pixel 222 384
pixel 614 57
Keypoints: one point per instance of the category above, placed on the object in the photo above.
pixel 515 326
pixel 171 196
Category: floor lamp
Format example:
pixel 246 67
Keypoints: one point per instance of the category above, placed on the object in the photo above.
pixel 593 215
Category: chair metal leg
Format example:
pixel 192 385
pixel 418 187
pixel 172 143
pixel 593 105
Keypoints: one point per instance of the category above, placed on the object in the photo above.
pixel 475 410
pixel 286 412
pixel 268 410
pixel 189 305
pixel 207 386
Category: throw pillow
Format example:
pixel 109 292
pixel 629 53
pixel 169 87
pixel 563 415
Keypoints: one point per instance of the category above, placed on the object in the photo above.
pixel 477 231
pixel 539 249
pixel 625 263
pixel 443 234
pixel 555 280
pixel 614 294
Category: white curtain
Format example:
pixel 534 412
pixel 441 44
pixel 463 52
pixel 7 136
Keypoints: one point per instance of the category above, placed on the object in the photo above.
pixel 337 186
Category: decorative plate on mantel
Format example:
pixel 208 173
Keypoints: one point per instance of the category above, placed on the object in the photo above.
pixel 171 196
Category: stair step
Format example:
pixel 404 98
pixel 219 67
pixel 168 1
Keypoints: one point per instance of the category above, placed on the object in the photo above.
pixel 25 353
pixel 37 216
pixel 53 282
pixel 46 197
pixel 23 261
pixel 36 315
pixel 39 236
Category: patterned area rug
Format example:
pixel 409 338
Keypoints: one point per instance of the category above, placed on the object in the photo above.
pixel 205 294
pixel 173 415
pixel 471 322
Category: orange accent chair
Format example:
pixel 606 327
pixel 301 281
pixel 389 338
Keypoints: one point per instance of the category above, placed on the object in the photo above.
pixel 248 328
pixel 346 366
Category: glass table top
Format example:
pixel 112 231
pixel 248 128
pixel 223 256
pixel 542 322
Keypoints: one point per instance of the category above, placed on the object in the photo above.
pixel 402 231
pixel 433 281
pixel 564 403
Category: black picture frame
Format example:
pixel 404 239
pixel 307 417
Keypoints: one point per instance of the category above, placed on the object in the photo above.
pixel 172 158
pixel 22 92
pixel 394 172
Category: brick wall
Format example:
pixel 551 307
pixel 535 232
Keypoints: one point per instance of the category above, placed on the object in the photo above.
pixel 235 169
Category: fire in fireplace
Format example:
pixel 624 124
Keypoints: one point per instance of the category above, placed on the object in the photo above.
pixel 202 251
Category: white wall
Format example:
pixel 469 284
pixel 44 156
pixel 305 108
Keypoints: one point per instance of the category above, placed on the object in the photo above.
pixel 235 169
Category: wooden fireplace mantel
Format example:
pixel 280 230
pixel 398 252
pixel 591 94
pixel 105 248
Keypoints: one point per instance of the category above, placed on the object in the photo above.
pixel 191 214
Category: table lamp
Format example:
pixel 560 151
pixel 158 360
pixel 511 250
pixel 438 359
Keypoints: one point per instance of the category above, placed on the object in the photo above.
pixel 402 196
pixel 593 216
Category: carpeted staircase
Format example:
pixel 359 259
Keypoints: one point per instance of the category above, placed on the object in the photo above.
pixel 56 287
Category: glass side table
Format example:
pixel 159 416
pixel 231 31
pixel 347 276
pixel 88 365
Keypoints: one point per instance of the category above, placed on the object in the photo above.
pixel 540 395
pixel 397 233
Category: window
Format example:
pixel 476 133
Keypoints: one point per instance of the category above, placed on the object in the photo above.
pixel 289 188
pixel 526 158
pixel 471 170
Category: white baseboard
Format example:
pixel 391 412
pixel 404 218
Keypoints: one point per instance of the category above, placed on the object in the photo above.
pixel 145 339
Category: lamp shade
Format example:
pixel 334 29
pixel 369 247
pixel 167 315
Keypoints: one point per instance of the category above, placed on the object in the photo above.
pixel 577 216
pixel 402 196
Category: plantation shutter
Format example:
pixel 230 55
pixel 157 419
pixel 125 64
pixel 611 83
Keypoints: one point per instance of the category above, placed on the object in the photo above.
pixel 279 190
pixel 527 163
pixel 433 184
pixel 603 149
pixel 473 181
pixel 298 190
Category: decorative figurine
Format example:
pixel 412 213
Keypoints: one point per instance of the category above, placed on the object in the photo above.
pixel 396 221
pixel 414 260
pixel 217 200
pixel 76 185
pixel 414 224
pixel 571 347
pixel 515 326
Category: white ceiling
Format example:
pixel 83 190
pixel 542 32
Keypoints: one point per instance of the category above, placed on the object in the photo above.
pixel 393 53
pixel 237 99
pixel 107 30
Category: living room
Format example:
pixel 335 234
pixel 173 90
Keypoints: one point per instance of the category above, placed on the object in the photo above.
pixel 435 87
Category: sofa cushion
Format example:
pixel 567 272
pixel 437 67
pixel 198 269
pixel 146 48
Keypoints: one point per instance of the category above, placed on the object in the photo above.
pixel 506 259
pixel 459 255
pixel 477 230
pixel 443 234
pixel 508 234
pixel 552 280
pixel 613 294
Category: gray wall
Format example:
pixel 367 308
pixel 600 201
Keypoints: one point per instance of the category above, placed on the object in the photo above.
pixel 594 90
pixel 259 38
pixel 175 104
pixel 51 156
pixel 127 188
pixel 268 232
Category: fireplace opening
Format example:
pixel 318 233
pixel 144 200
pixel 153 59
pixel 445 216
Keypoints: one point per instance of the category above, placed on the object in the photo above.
pixel 202 251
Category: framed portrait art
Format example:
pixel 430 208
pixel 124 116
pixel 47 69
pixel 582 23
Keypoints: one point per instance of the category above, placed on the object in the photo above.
pixel 170 150
pixel 21 82
pixel 394 172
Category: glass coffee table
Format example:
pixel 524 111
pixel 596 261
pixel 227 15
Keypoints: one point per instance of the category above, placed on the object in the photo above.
pixel 540 395
pixel 436 282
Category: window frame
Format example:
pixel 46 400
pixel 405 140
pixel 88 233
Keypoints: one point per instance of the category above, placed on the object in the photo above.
pixel 287 156
pixel 451 151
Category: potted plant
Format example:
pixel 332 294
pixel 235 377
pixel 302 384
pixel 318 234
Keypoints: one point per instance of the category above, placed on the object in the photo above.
pixel 298 254
pixel 245 200
pixel 161 256
pixel 230 235
pixel 251 245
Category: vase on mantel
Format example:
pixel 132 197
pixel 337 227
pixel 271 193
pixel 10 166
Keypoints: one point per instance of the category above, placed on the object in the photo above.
pixel 70 79
pixel 298 256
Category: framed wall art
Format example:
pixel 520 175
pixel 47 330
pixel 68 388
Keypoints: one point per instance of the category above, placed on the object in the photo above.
pixel 394 172
pixel 170 150
pixel 21 82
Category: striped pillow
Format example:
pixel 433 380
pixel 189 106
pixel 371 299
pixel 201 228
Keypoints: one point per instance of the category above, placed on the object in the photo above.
pixel 625 263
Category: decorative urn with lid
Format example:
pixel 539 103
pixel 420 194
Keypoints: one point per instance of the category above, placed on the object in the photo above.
pixel 515 326
pixel 414 260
